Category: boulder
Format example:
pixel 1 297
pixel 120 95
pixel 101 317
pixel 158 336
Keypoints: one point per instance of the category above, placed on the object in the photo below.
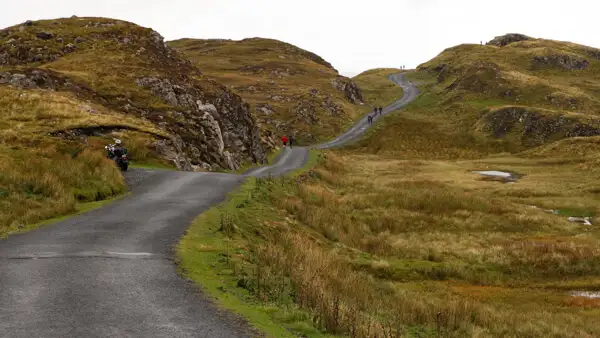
pixel 44 35
pixel 28 23
pixel 69 48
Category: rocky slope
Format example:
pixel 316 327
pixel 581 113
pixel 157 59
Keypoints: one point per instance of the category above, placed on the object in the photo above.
pixel 521 90
pixel 68 86
pixel 292 91
pixel 131 71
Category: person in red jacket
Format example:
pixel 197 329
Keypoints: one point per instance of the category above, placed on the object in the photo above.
pixel 284 139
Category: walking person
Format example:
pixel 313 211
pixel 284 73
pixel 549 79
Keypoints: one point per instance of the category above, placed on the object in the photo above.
pixel 291 141
pixel 380 111
pixel 284 140
pixel 370 119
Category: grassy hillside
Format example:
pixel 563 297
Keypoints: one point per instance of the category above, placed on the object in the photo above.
pixel 398 236
pixel 291 90
pixel 377 89
pixel 68 86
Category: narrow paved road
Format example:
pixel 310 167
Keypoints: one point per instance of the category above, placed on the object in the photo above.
pixel 109 272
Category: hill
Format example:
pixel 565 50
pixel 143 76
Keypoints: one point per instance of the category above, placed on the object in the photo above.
pixel 68 86
pixel 292 91
pixel 399 235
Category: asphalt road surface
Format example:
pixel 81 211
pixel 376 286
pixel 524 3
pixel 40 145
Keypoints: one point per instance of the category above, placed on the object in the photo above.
pixel 110 272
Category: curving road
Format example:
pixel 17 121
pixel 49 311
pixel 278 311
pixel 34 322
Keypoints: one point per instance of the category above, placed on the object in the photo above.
pixel 110 272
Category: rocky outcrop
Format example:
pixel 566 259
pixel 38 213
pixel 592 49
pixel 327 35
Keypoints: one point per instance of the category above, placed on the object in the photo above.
pixel 209 126
pixel 216 129
pixel 216 132
pixel 349 88
pixel 507 39
pixel 593 52
pixel 535 127
pixel 562 61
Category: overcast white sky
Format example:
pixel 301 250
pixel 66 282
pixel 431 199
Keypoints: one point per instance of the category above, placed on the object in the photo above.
pixel 354 35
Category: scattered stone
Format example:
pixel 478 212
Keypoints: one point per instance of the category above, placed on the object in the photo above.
pixel 44 35
pixel 11 40
pixel 584 220
pixel 140 51
pixel 79 39
pixel 266 109
pixel 586 294
pixel 70 48
pixel 28 23
pixel 306 112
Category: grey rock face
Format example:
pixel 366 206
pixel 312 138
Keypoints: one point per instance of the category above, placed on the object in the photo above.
pixel 349 88
pixel 210 131
pixel 536 128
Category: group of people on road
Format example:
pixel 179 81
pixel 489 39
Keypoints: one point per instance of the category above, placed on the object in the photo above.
pixel 285 140
pixel 377 111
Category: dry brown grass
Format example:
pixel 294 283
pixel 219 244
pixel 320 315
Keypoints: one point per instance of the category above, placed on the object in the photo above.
pixel 407 223
pixel 373 247
pixel 43 176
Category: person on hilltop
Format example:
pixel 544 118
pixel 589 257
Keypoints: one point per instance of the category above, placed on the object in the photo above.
pixel 284 140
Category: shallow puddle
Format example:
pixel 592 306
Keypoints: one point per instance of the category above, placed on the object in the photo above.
pixel 503 175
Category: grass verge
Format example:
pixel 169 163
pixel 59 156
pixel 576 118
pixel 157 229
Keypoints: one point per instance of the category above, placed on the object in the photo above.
pixel 214 251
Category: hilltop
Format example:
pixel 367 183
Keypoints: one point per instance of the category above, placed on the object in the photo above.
pixel 291 90
pixel 68 86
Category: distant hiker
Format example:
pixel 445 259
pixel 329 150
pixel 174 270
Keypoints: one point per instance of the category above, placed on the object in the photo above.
pixel 284 139
pixel 291 140
pixel 380 110
pixel 370 119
